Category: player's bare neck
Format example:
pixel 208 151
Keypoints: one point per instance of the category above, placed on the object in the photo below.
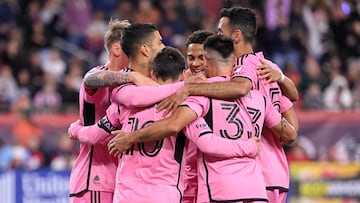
pixel 140 67
pixel 243 50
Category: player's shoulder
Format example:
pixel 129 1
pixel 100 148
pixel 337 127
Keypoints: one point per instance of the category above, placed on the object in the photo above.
pixel 254 97
pixel 97 69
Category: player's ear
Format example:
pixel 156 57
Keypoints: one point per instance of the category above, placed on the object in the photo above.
pixel 116 49
pixel 152 75
pixel 237 35
pixel 183 75
pixel 145 50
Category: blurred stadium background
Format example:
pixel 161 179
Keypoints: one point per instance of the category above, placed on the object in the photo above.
pixel 47 45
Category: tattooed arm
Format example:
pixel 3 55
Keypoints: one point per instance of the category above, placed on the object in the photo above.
pixel 286 131
pixel 291 117
pixel 115 78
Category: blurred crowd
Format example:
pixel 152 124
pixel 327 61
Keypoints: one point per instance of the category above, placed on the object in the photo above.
pixel 46 46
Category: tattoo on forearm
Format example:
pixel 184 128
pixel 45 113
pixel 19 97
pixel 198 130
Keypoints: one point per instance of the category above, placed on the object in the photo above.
pixel 283 124
pixel 106 79
pixel 124 78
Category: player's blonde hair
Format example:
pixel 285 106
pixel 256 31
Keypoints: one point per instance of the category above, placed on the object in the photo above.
pixel 114 32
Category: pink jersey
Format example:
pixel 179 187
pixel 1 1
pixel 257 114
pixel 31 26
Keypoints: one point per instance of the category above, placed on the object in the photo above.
pixel 94 168
pixel 271 144
pixel 135 95
pixel 150 172
pixel 233 178
pixel 272 156
pixel 100 133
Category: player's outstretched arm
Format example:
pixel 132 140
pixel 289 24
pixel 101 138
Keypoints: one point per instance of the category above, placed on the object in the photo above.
pixel 90 135
pixel 202 136
pixel 219 88
pixel 108 78
pixel 236 88
pixel 143 96
pixel 156 131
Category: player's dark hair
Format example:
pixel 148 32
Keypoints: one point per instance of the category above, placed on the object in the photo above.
pixel 243 19
pixel 221 44
pixel 136 35
pixel 198 37
pixel 169 63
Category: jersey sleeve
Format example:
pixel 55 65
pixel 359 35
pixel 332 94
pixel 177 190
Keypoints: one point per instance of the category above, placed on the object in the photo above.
pixel 200 105
pixel 136 96
pixel 272 115
pixel 99 133
pixel 90 135
pixel 285 104
pixel 246 70
pixel 201 135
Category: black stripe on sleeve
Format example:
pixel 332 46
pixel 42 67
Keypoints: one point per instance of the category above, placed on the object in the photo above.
pixel 205 133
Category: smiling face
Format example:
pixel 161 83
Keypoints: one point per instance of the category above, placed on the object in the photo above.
pixel 195 58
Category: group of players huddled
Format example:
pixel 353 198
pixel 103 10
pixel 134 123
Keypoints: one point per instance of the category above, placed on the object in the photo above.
pixel 158 128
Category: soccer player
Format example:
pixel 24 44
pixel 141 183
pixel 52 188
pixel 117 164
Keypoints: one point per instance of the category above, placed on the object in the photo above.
pixel 152 167
pixel 240 178
pixel 240 24
pixel 195 52
pixel 93 173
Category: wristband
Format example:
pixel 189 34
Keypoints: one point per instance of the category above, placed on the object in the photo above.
pixel 282 78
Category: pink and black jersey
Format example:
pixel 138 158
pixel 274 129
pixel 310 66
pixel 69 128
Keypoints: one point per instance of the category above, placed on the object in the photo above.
pixel 233 178
pixel 272 146
pixel 150 172
pixel 273 155
pixel 94 168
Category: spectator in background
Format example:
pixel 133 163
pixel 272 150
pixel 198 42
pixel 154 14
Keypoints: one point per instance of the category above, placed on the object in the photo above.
pixel 76 17
pixel 145 11
pixel 313 97
pixel 123 10
pixel 312 74
pixel 337 95
pixel 5 155
pixel 297 154
pixel 194 14
pixel 8 89
pixel 54 65
pixel 14 55
pixel 19 154
pixel 38 36
pixel 93 40
pixel 25 128
pixel 47 100
pixel 36 158
pixel 316 18
pixel 65 154
pixel 353 77
pixel 35 73
pixel 70 86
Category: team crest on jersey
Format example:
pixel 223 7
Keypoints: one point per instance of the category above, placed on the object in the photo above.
pixel 238 69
